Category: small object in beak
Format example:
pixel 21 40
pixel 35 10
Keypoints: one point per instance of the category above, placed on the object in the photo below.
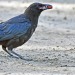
pixel 49 7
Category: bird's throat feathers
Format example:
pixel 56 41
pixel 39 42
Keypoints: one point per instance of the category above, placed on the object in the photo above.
pixel 32 15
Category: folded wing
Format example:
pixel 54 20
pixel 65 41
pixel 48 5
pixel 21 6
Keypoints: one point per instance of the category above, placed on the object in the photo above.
pixel 14 27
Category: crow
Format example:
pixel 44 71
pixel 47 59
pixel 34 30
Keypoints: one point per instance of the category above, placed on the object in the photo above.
pixel 18 30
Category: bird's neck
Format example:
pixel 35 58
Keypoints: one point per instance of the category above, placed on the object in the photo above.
pixel 33 16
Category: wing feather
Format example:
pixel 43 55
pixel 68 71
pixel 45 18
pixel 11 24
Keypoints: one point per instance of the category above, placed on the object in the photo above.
pixel 14 27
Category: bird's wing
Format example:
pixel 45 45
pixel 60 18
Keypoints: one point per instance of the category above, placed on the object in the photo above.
pixel 14 27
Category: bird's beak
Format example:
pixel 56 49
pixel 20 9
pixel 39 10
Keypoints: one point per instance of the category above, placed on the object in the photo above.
pixel 46 6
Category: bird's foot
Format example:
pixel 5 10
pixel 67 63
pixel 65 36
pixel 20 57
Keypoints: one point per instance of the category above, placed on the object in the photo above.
pixel 19 56
pixel 22 58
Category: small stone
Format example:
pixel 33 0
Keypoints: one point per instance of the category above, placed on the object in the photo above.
pixel 57 46
pixel 65 18
pixel 46 57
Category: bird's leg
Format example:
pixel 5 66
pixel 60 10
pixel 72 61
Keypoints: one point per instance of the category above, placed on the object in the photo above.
pixel 11 52
pixel 21 57
pixel 4 48
pixel 18 56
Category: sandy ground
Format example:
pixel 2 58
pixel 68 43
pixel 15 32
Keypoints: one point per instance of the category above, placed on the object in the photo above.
pixel 51 48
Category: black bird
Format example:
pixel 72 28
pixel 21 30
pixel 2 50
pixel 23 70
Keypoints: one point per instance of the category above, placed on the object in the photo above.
pixel 17 30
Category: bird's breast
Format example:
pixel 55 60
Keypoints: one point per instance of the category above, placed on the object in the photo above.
pixel 24 38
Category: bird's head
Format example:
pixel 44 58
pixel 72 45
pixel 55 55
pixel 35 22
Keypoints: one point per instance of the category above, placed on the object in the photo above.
pixel 40 7
pixel 37 8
